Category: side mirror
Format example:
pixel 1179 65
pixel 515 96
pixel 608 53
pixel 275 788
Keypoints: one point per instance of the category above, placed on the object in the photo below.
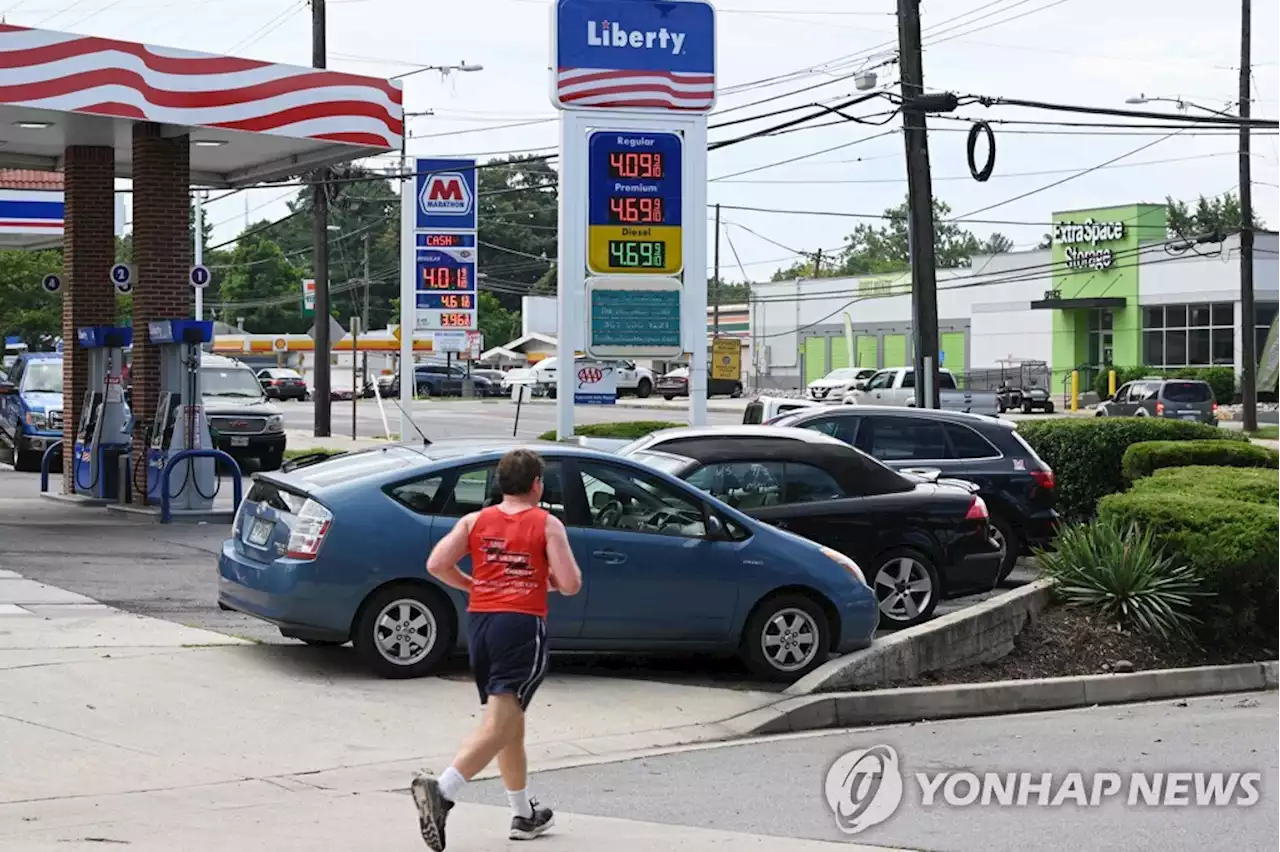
pixel 860 384
pixel 715 529
pixel 8 389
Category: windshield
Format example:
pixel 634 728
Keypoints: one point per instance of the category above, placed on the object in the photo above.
pixel 843 373
pixel 233 381
pixel 678 373
pixel 43 377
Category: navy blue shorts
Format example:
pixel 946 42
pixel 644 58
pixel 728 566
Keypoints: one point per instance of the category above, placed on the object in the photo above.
pixel 509 654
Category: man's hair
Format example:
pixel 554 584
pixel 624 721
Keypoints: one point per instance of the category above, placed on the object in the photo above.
pixel 517 470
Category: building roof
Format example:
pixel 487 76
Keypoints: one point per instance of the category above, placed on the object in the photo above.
pixel 30 179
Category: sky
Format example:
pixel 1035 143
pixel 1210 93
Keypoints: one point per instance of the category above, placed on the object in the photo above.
pixel 1088 52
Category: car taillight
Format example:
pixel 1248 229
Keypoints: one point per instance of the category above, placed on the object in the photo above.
pixel 1044 478
pixel 1159 408
pixel 977 510
pixel 309 529
pixel 1215 408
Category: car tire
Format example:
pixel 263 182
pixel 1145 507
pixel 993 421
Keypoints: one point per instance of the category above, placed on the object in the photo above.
pixel 644 388
pixel 1048 408
pixel 786 618
pixel 27 461
pixel 375 640
pixel 737 392
pixel 1026 407
pixel 1003 532
pixel 891 565
pixel 270 462
pixel 668 397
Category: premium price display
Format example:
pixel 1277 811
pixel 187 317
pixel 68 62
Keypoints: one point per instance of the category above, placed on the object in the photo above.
pixel 634 202
pixel 447 301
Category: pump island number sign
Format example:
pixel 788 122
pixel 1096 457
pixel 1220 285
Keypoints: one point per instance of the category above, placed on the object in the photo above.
pixel 634 203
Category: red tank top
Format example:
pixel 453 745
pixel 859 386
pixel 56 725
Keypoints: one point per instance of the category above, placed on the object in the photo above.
pixel 509 562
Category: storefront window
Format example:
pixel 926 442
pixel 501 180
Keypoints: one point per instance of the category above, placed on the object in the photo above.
pixel 1265 313
pixel 1198 335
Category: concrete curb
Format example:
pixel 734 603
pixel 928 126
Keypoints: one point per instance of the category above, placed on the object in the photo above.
pixel 889 706
pixel 976 634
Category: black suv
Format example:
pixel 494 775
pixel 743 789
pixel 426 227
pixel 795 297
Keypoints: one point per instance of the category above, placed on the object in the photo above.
pixel 1017 486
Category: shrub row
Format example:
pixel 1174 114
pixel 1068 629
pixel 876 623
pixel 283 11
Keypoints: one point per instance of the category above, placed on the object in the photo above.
pixel 1221 379
pixel 1225 524
pixel 1144 459
pixel 627 430
pixel 1087 455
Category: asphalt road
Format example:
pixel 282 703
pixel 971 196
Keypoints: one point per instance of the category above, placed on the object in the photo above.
pixel 777 787
pixel 456 418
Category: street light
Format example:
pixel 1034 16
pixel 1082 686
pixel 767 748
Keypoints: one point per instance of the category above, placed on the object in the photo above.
pixel 1178 102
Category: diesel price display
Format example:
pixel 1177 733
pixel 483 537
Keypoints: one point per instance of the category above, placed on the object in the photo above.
pixel 634 198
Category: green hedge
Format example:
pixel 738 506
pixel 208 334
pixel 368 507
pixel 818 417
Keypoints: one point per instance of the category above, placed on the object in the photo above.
pixel 1221 379
pixel 626 429
pixel 1224 522
pixel 1143 459
pixel 1087 455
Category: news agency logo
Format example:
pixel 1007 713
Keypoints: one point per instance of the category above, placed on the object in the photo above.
pixel 609 34
pixel 865 787
pixel 445 194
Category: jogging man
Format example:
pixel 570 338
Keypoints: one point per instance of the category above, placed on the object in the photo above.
pixel 518 551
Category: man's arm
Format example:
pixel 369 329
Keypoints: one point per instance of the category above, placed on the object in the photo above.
pixel 566 576
pixel 443 561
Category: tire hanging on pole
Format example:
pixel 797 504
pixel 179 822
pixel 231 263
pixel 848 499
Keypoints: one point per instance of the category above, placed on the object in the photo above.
pixel 981 127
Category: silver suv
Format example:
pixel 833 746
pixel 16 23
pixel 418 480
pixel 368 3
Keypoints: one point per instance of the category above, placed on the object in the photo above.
pixel 1178 399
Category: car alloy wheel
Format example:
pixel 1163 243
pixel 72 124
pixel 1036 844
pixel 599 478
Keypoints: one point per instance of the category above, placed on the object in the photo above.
pixel 906 588
pixel 1006 538
pixel 790 640
pixel 405 632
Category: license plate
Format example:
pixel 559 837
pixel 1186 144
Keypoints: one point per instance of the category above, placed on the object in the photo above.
pixel 1190 415
pixel 260 532
pixel 239 442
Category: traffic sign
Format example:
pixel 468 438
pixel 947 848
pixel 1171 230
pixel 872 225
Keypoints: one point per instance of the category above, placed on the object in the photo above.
pixel 634 203
pixel 51 283
pixel 634 54
pixel 633 317
pixel 200 276
pixel 726 358
pixel 123 277
pixel 446 193
pixel 308 297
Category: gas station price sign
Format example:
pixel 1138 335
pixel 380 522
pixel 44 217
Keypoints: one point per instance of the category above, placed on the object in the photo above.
pixel 634 203
pixel 445 291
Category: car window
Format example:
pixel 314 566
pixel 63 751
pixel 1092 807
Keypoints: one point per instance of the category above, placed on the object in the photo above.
pixel 1187 392
pixel 968 444
pixel 1143 391
pixel 624 499
pixel 743 485
pixel 946 380
pixel 47 376
pixel 470 492
pixel 15 372
pixel 808 484
pixel 881 380
pixel 1122 395
pixel 231 382
pixel 840 428
pixel 418 494
pixel 906 439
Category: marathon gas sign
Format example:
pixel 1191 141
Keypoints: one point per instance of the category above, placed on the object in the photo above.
pixel 446 194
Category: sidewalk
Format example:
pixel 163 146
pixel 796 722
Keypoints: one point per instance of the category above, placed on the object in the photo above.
pixel 132 729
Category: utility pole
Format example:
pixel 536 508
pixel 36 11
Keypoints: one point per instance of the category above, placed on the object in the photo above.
pixel 364 310
pixel 320 250
pixel 715 294
pixel 1248 311
pixel 924 292
pixel 817 263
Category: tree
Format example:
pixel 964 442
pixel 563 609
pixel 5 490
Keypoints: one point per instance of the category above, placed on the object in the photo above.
pixel 1219 216
pixel 519 211
pixel 26 310
pixel 264 287
pixel 498 325
pixel 997 243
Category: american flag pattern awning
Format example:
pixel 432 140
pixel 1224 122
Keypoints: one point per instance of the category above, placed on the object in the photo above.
pixel 621 89
pixel 100 76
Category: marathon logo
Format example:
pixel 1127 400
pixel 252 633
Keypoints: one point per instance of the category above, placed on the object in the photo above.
pixel 609 34
pixel 1087 232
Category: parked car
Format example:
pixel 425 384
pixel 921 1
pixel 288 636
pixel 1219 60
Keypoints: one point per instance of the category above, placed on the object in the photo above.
pixel 676 383
pixel 441 379
pixel 631 377
pixel 31 409
pixel 1020 490
pixel 1177 399
pixel 896 386
pixel 520 376
pixel 762 409
pixel 245 424
pixel 281 383
pixel 837 383
pixel 665 566
pixel 919 538
pixel 1027 389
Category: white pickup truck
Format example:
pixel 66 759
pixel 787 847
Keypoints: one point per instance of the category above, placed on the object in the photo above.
pixel 897 386
pixel 631 378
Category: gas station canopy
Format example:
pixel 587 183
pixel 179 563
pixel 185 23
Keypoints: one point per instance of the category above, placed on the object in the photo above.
pixel 249 121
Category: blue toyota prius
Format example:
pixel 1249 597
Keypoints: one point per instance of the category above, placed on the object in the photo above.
pixel 335 551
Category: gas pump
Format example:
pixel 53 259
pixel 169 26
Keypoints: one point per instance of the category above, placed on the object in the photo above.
pixel 102 436
pixel 180 422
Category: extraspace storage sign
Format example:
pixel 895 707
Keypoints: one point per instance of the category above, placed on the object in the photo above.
pixel 634 54
pixel 446 193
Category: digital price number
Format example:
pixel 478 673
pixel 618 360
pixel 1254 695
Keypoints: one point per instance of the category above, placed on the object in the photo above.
pixel 634 203
pixel 445 293
pixel 447 301
pixel 455 320
pixel 445 278
pixel 637 254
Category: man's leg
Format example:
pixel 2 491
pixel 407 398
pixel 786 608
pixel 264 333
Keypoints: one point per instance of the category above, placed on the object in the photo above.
pixel 514 766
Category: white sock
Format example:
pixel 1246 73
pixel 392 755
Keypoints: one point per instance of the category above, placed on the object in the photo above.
pixel 520 804
pixel 451 782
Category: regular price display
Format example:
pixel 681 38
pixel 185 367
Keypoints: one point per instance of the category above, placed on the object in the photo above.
pixel 445 278
pixel 635 164
pixel 637 254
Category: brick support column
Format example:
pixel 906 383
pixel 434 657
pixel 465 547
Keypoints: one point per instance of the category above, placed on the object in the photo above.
pixel 162 254
pixel 88 297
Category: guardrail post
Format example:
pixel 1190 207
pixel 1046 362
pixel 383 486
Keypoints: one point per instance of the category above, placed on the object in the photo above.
pixel 44 464
pixel 1111 383
pixel 166 513
pixel 1075 391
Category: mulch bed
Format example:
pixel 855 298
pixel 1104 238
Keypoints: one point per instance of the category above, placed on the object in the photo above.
pixel 1065 642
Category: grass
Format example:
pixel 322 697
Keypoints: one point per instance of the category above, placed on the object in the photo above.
pixel 1267 433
